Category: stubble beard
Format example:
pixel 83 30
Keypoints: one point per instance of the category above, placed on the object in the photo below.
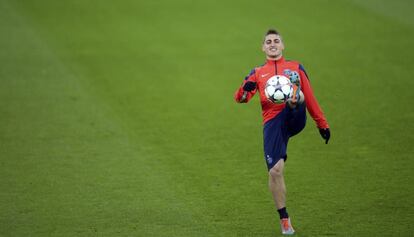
pixel 274 57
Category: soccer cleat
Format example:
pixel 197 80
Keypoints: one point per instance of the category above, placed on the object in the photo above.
pixel 286 226
pixel 295 97
pixel 294 78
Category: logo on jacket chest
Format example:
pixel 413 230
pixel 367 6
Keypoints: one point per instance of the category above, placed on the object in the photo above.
pixel 287 72
pixel 264 75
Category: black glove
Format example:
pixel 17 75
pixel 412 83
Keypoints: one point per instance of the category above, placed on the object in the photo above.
pixel 325 133
pixel 249 86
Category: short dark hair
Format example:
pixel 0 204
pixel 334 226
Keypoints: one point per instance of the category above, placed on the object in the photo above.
pixel 272 32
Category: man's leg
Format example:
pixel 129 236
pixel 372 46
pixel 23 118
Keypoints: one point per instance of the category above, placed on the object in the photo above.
pixel 296 119
pixel 278 189
pixel 277 184
pixel 275 134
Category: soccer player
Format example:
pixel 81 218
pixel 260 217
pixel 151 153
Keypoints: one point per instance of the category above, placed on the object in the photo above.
pixel 281 121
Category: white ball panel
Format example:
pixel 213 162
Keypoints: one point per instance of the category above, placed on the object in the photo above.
pixel 286 89
pixel 278 95
pixel 283 80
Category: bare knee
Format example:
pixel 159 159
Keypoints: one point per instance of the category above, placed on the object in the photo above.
pixel 277 171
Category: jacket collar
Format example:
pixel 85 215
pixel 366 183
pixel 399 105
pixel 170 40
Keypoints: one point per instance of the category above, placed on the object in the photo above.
pixel 280 60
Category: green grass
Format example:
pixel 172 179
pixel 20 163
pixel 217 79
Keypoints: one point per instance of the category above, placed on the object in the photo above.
pixel 118 119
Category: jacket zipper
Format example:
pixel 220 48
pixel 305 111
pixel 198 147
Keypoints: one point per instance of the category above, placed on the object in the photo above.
pixel 275 68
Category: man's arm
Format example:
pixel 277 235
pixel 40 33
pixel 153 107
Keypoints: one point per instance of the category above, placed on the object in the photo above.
pixel 311 103
pixel 313 106
pixel 247 89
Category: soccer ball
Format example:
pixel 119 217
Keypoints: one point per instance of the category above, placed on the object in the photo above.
pixel 278 89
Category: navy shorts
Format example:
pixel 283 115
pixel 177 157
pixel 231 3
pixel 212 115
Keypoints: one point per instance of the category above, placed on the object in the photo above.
pixel 277 131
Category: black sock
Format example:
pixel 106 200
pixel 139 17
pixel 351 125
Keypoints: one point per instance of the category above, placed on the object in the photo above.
pixel 283 213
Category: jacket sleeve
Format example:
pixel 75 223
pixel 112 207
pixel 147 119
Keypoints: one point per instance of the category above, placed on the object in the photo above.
pixel 311 103
pixel 242 96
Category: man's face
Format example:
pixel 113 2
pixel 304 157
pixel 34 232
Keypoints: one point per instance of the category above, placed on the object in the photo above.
pixel 273 46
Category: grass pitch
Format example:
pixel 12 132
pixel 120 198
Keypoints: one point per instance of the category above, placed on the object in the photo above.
pixel 118 119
